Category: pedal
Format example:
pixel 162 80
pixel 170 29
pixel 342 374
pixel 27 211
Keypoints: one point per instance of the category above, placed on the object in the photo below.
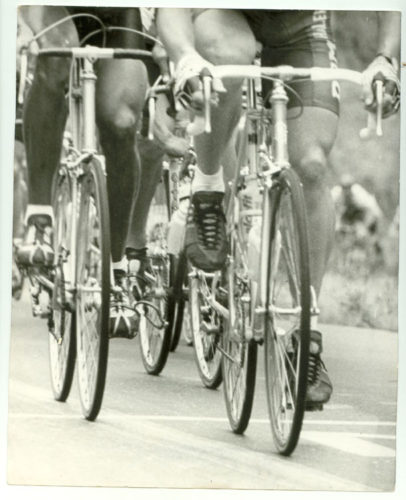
pixel 123 326
pixel 209 329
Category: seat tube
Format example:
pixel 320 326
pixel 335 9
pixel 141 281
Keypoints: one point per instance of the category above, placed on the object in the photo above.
pixel 279 100
pixel 89 78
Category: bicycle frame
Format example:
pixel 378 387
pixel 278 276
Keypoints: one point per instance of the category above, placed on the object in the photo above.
pixel 82 113
pixel 257 164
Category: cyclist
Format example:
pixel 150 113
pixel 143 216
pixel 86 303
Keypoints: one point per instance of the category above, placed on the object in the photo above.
pixel 120 95
pixel 356 209
pixel 198 38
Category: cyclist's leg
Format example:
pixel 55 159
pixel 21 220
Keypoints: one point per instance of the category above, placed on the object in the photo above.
pixel 44 119
pixel 305 40
pixel 311 137
pixel 121 90
pixel 45 109
pixel 220 37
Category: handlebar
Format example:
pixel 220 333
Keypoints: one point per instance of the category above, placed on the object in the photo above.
pixel 78 52
pixel 289 73
pixel 96 53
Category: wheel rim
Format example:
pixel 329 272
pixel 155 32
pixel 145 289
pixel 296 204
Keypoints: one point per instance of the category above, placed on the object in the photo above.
pixel 208 356
pixel 152 332
pixel 153 335
pixel 283 346
pixel 89 299
pixel 237 379
pixel 61 339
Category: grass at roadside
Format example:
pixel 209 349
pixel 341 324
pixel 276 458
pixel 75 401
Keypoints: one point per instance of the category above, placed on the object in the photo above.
pixel 361 292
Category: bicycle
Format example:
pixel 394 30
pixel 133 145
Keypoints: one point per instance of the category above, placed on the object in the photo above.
pixel 79 282
pixel 266 282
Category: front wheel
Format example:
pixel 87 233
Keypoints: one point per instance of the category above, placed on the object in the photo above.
pixel 287 318
pixel 61 323
pixel 93 288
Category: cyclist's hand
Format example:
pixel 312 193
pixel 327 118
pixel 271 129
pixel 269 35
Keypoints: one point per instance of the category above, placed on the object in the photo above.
pixel 381 69
pixel 188 85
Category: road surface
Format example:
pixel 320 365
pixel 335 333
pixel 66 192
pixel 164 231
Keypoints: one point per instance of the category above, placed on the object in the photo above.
pixel 169 431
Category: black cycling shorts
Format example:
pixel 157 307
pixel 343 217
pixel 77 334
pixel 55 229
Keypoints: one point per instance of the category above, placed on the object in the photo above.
pixel 301 38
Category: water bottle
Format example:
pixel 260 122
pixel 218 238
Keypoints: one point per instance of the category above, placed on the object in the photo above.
pixel 254 250
pixel 251 201
pixel 177 226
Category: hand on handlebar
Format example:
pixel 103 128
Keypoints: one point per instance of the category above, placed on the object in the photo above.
pixel 382 70
pixel 196 89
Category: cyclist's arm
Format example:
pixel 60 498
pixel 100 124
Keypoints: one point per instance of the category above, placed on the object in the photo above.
pixel 175 29
pixel 385 64
pixel 389 34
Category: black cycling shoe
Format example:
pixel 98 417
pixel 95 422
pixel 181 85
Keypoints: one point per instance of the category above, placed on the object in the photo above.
pixel 124 320
pixel 319 386
pixel 36 249
pixel 205 237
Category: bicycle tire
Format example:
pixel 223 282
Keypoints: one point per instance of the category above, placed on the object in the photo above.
pixel 287 349
pixel 61 323
pixel 239 360
pixel 93 287
pixel 155 339
pixel 207 355
pixel 176 307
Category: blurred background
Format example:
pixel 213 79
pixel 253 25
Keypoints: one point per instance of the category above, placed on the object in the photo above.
pixel 360 288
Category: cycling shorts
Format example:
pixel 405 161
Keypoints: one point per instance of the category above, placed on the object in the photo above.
pixel 301 38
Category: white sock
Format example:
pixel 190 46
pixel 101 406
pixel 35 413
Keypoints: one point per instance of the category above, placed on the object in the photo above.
pixel 204 182
pixel 38 210
pixel 121 265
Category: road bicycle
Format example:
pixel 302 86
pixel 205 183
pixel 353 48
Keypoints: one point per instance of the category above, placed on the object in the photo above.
pixel 79 283
pixel 264 294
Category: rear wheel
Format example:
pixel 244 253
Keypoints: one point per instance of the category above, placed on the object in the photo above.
pixel 287 322
pixel 61 323
pixel 93 288
pixel 206 327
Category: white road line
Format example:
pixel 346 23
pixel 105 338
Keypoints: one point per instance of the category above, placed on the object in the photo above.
pixel 349 444
pixel 179 418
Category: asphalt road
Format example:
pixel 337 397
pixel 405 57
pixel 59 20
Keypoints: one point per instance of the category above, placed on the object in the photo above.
pixel 169 431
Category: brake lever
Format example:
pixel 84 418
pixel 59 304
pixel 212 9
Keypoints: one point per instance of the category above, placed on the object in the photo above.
pixel 374 122
pixel 151 112
pixel 23 74
pixel 207 82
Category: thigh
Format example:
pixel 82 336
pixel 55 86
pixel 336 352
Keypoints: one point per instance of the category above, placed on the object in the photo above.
pixel 311 136
pixel 40 17
pixel 121 91
pixel 122 84
pixel 223 36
